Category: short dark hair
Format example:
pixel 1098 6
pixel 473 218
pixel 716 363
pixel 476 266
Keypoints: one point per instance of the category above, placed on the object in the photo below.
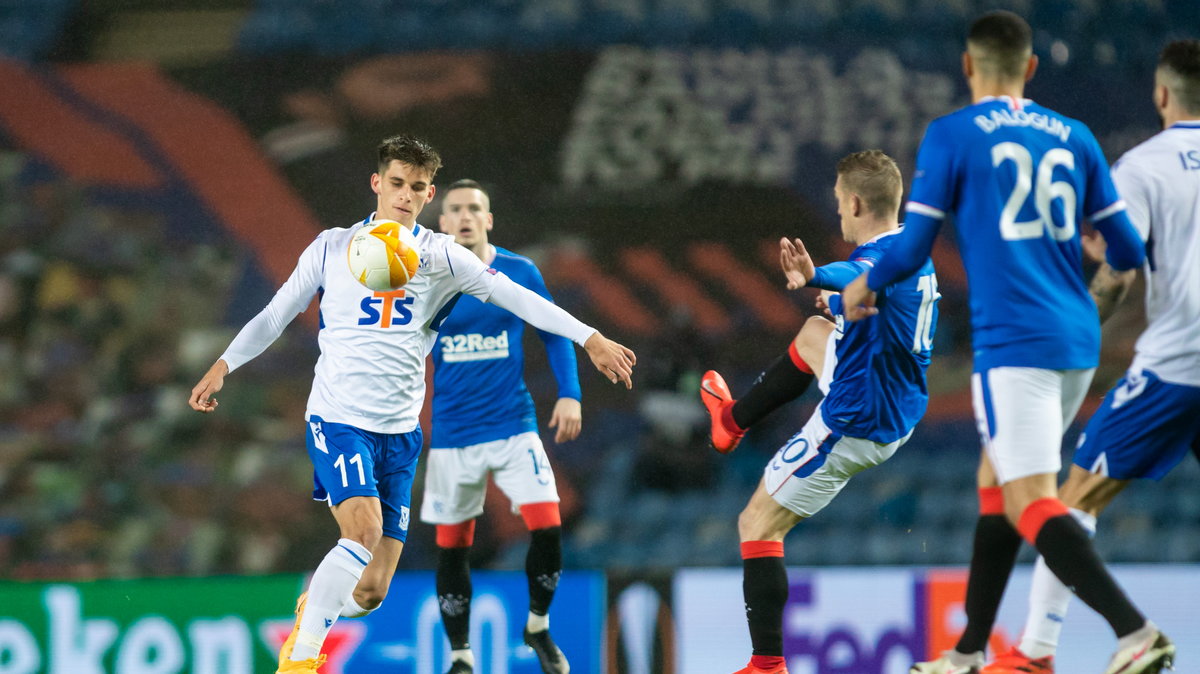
pixel 409 150
pixel 875 178
pixel 1181 60
pixel 468 184
pixel 1000 43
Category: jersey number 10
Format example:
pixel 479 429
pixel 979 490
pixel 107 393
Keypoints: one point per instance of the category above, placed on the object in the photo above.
pixel 1045 191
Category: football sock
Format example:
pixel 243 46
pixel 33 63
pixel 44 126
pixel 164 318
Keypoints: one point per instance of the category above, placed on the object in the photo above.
pixel 992 559
pixel 331 587
pixel 353 610
pixel 463 655
pixel 1069 553
pixel 454 594
pixel 543 567
pixel 1048 602
pixel 783 381
pixel 765 589
pixel 537 623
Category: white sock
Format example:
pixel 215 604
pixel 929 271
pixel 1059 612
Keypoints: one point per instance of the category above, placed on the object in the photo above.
pixel 1048 602
pixel 537 623
pixel 330 589
pixel 353 610
pixel 1137 636
pixel 464 655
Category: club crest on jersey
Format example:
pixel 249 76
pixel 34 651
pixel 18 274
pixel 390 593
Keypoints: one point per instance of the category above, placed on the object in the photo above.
pixel 423 264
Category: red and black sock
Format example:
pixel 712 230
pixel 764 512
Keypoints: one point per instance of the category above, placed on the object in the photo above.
pixel 765 588
pixel 543 567
pixel 782 382
pixel 454 594
pixel 1068 551
pixel 992 559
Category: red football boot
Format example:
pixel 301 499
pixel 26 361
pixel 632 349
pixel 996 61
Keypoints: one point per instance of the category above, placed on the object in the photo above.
pixel 714 393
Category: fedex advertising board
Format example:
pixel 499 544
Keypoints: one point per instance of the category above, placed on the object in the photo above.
pixel 879 621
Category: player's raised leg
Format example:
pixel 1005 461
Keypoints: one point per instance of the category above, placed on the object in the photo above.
pixel 361 523
pixel 783 381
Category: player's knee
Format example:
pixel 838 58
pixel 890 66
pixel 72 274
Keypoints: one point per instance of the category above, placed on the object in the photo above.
pixel 366 534
pixel 749 524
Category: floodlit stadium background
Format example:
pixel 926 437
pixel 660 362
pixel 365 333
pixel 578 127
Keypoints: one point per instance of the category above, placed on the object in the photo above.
pixel 162 163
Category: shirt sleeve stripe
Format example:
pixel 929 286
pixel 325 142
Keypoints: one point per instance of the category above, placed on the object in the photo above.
pixel 922 209
pixel 1117 207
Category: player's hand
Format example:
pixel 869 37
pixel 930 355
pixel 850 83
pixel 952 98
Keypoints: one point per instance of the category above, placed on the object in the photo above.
pixel 858 300
pixel 213 380
pixel 796 263
pixel 822 303
pixel 1094 246
pixel 567 418
pixel 613 361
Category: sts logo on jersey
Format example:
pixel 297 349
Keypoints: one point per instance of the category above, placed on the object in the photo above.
pixel 386 309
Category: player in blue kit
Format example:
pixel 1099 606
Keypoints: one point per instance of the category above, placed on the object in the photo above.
pixel 873 377
pixel 369 385
pixel 484 423
pixel 1018 180
pixel 1151 418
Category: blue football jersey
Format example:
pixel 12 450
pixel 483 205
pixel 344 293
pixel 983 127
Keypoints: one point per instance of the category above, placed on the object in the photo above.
pixel 878 389
pixel 1018 180
pixel 479 392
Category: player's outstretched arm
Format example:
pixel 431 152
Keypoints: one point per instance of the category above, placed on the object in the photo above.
pixel 797 264
pixel 210 383
pixel 613 360
pixel 566 419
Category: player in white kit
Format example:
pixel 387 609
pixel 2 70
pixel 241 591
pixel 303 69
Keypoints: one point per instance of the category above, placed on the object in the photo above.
pixel 1151 418
pixel 369 385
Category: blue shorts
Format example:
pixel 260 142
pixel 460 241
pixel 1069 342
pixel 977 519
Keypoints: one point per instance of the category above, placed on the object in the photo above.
pixel 1143 429
pixel 348 461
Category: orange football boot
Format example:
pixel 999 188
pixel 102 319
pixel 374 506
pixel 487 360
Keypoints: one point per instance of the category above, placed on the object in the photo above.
pixel 715 395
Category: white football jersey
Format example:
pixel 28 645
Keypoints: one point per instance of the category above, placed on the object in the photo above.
pixel 371 371
pixel 1160 183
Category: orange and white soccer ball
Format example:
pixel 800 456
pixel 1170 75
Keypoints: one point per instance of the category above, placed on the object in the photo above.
pixel 384 255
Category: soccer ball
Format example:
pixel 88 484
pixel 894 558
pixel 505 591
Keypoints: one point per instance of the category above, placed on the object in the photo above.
pixel 383 255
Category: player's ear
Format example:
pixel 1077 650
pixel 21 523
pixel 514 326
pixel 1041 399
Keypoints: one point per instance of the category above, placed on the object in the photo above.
pixel 968 66
pixel 1031 67
pixel 432 191
pixel 376 179
pixel 856 205
pixel 488 225
pixel 1162 96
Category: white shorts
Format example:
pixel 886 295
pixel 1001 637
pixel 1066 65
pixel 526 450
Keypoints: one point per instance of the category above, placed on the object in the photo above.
pixel 456 478
pixel 813 466
pixel 1022 413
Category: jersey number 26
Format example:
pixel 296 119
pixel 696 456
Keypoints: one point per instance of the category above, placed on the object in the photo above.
pixel 1045 191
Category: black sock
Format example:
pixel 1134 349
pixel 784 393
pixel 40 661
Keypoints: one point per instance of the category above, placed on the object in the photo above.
pixel 996 546
pixel 765 588
pixel 1071 556
pixel 543 566
pixel 454 594
pixel 780 383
